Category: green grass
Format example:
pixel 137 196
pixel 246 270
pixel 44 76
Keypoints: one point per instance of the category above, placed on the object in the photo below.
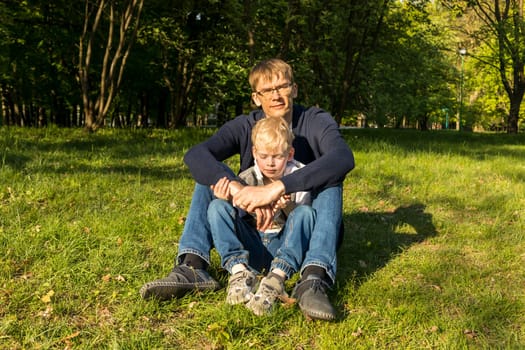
pixel 433 257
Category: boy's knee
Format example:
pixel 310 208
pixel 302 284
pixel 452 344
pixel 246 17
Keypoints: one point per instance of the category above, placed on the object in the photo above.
pixel 219 205
pixel 304 211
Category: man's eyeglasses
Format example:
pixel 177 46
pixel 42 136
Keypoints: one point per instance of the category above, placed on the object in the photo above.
pixel 282 90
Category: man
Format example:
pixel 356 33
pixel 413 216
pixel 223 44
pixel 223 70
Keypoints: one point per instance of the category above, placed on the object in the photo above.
pixel 328 159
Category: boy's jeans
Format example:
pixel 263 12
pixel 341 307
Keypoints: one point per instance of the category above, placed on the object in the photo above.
pixel 238 242
pixel 197 239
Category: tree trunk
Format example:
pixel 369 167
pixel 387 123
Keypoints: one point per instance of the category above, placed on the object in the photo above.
pixel 123 28
pixel 162 120
pixel 507 22
pixel 514 113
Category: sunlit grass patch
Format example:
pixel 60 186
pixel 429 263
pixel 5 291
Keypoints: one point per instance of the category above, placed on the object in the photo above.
pixel 433 255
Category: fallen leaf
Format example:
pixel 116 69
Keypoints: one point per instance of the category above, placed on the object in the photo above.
pixel 47 312
pixel 358 332
pixel 47 297
pixel 469 333
pixel 432 329
pixel 71 336
pixel 120 278
pixel 106 278
pixel 27 275
pixel 287 301
pixel 436 287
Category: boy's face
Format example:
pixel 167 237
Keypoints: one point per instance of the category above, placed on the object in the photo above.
pixel 275 96
pixel 271 161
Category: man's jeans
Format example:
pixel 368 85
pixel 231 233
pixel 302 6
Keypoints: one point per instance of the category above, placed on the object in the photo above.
pixel 197 239
pixel 239 242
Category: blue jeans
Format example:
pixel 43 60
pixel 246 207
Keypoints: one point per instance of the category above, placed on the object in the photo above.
pixel 239 242
pixel 197 238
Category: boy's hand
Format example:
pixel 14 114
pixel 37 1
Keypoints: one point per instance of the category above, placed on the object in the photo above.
pixel 282 202
pixel 222 189
pixel 264 216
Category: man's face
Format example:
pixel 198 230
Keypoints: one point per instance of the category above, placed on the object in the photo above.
pixel 275 97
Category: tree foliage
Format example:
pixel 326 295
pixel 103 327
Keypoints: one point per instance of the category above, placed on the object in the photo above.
pixel 182 62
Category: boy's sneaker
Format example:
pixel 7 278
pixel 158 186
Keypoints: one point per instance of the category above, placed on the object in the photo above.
pixel 180 281
pixel 270 289
pixel 240 287
pixel 312 298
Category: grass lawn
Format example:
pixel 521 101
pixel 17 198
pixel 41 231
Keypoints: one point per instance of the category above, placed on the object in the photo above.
pixel 433 256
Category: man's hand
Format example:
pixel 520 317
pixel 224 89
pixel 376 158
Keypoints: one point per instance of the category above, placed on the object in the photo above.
pixel 251 197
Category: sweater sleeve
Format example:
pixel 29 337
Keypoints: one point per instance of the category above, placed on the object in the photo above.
pixel 333 159
pixel 205 160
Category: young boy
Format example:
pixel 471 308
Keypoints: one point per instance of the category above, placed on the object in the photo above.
pixel 280 249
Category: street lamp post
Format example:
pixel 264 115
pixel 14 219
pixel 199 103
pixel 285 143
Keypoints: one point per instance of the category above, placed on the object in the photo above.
pixel 462 53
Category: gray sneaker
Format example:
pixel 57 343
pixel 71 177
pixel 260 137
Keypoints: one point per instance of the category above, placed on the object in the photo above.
pixel 269 290
pixel 180 281
pixel 312 298
pixel 240 287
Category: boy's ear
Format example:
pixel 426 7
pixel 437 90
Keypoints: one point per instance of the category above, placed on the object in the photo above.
pixel 256 99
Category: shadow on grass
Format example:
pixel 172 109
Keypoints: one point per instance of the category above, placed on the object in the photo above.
pixel 372 239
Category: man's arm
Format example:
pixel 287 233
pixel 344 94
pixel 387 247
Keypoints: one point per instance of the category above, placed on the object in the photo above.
pixel 333 157
pixel 205 160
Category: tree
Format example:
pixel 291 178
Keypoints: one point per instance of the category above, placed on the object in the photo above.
pixel 36 40
pixel 504 21
pixel 122 26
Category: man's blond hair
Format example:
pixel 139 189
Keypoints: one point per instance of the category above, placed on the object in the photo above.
pixel 273 133
pixel 268 69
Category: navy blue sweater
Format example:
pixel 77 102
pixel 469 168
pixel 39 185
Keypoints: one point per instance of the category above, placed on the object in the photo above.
pixel 318 144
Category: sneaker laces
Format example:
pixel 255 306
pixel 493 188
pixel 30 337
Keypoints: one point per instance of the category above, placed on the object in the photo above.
pixel 269 290
pixel 185 273
pixel 314 282
pixel 241 286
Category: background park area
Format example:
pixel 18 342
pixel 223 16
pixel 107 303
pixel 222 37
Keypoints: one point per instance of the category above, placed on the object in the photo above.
pixel 433 255
pixel 100 99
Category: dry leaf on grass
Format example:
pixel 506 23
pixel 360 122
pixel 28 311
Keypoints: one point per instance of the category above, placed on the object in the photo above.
pixel 47 297
pixel 358 332
pixel 470 333
pixel 287 301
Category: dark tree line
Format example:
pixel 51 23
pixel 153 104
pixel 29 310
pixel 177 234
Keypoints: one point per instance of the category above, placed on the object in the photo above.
pixel 172 63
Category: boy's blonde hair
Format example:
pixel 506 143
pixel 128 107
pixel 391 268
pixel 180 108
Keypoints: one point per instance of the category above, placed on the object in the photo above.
pixel 266 70
pixel 273 133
